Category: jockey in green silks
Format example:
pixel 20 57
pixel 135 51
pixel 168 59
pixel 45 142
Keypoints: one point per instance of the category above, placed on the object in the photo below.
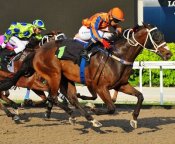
pixel 18 34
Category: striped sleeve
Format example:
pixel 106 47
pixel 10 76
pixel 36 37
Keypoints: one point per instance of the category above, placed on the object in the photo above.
pixel 95 23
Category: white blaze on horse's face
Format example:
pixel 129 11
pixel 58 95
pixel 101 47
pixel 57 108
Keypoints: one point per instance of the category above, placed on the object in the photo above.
pixel 166 47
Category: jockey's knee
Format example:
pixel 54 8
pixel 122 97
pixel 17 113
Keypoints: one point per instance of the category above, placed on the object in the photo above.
pixel 19 49
pixel 84 33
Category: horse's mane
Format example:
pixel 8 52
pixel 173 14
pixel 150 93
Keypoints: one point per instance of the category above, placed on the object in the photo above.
pixel 135 29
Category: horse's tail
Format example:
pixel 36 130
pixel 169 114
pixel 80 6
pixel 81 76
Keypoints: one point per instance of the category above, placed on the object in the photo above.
pixel 25 69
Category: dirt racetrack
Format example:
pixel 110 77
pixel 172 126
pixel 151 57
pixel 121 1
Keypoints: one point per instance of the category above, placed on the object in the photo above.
pixel 155 126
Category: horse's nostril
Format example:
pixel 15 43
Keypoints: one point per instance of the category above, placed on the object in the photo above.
pixel 168 55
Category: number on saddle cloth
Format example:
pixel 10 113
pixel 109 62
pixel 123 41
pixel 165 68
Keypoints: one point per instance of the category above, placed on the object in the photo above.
pixel 69 49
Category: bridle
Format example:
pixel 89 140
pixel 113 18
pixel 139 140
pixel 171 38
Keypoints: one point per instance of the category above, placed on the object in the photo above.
pixel 134 42
pixel 47 38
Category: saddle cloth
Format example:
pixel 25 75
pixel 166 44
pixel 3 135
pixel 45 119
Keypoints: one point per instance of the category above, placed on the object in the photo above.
pixel 69 49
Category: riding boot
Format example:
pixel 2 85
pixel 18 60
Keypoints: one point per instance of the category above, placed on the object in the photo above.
pixel 87 48
pixel 9 55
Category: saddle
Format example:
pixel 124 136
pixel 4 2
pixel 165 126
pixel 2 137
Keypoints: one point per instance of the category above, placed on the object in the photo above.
pixel 71 49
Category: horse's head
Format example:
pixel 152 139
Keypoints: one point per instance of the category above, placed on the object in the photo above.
pixel 54 35
pixel 149 37
pixel 35 43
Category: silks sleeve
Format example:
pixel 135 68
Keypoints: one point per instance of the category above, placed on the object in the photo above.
pixel 95 23
pixel 9 33
pixel 38 37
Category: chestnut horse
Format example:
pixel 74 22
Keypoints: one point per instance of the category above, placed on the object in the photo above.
pixel 106 71
pixel 33 82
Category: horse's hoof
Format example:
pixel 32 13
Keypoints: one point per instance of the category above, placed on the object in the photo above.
pixel 91 105
pixel 28 103
pixel 113 100
pixel 16 118
pixel 72 120
pixel 95 123
pixel 16 111
pixel 133 123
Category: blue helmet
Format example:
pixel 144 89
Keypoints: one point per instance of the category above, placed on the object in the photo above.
pixel 39 24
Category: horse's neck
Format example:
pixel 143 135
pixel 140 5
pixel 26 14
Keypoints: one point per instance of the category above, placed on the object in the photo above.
pixel 127 52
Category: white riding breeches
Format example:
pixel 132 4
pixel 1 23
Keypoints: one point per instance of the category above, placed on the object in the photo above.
pixel 20 44
pixel 85 34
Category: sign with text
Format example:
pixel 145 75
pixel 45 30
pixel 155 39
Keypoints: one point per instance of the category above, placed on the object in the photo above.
pixel 162 14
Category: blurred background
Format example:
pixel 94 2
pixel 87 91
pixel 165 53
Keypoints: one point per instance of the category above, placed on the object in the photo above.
pixel 63 15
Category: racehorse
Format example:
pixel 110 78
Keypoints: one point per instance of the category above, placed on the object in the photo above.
pixel 33 81
pixel 106 71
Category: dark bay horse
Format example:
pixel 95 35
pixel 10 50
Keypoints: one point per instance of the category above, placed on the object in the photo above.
pixel 106 71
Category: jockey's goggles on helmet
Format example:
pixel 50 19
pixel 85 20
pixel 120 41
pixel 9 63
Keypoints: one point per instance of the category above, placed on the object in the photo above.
pixel 116 20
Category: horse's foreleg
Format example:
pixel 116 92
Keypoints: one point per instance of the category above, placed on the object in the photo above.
pixel 49 107
pixel 54 83
pixel 128 89
pixel 105 96
pixel 42 95
pixel 4 96
pixel 8 113
pixel 71 93
pixel 10 102
pixel 114 96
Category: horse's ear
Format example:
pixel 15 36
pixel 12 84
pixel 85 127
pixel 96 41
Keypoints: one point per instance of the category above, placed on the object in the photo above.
pixel 58 32
pixel 144 24
pixel 136 28
pixel 53 32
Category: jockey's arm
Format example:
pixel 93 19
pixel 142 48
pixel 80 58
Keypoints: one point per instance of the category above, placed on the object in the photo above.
pixel 9 33
pixel 39 37
pixel 118 29
pixel 95 23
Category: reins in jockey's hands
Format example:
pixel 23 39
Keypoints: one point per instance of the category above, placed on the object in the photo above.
pixel 106 44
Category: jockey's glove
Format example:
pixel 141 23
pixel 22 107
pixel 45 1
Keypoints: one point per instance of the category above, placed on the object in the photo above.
pixel 105 43
pixel 3 45
pixel 108 35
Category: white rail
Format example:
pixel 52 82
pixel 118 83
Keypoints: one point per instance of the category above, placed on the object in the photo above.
pixel 153 65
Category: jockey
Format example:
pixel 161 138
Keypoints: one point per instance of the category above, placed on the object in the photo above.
pixel 94 28
pixel 18 35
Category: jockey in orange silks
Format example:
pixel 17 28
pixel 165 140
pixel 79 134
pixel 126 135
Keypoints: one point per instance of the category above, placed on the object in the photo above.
pixel 94 28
